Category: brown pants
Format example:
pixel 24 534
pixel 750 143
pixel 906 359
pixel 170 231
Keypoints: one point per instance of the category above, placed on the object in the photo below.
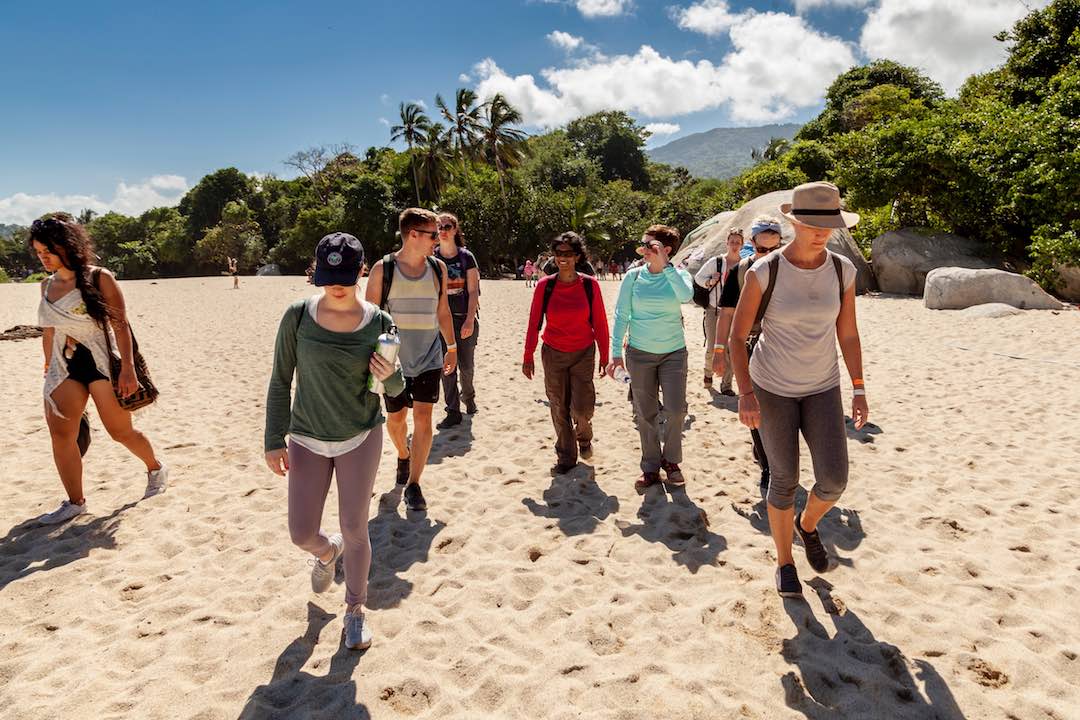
pixel 568 380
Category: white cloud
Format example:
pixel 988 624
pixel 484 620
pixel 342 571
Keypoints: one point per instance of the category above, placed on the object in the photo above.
pixel 158 191
pixel 384 121
pixel 421 103
pixel 384 99
pixel 564 40
pixel 603 8
pixel 754 81
pixel 804 5
pixel 709 17
pixel 464 77
pixel 662 128
pixel 949 41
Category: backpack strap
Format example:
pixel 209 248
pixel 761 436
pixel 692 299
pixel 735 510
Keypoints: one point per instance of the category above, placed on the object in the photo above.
pixel 388 263
pixel 549 290
pixel 839 274
pixel 744 265
pixel 434 264
pixel 774 265
pixel 586 282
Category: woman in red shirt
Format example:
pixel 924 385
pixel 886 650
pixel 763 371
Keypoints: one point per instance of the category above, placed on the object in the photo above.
pixel 570 309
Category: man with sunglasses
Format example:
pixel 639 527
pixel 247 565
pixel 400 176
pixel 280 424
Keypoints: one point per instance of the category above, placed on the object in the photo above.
pixel 765 237
pixel 411 286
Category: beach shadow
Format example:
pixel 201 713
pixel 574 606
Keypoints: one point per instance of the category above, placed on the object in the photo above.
pixel 292 692
pixel 575 501
pixel 852 674
pixel 679 524
pixel 841 529
pixel 866 435
pixel 397 543
pixel 451 442
pixel 724 402
pixel 30 547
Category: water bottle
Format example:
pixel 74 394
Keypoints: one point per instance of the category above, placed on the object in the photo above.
pixel 387 346
pixel 622 375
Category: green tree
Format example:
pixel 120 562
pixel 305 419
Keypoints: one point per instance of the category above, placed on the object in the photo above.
pixel 297 247
pixel 412 130
pixel 616 142
pixel 769 177
pixel 463 121
pixel 434 157
pixel 500 143
pixel 368 213
pixel 203 204
pixel 814 159
pixel 236 236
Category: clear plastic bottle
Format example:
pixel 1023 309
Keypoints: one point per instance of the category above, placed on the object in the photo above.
pixel 622 375
pixel 388 347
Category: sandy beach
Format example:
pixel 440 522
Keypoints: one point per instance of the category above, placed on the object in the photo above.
pixel 517 596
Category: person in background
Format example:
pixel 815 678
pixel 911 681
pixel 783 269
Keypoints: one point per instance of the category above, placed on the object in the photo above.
pixel 711 275
pixel 232 264
pixel 463 296
pixel 765 237
pixel 649 309
pixel 528 271
pixel 804 297
pixel 570 308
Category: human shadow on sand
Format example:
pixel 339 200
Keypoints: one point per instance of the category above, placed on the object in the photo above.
pixel 397 543
pixel 852 674
pixel 841 529
pixel 452 442
pixel 291 692
pixel 679 524
pixel 575 501
pixel 30 547
pixel 865 435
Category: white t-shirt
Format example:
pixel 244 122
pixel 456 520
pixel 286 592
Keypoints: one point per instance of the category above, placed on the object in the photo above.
pixel 714 264
pixel 796 353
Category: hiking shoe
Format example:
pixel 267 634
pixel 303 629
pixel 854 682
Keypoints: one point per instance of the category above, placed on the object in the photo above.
pixel 156 481
pixel 646 481
pixel 585 450
pixel 727 391
pixel 815 551
pixel 402 471
pixel 787 582
pixel 471 409
pixel 674 474
pixel 62 514
pixel 322 576
pixel 708 381
pixel 561 468
pixel 453 417
pixel 414 497
pixel 356 631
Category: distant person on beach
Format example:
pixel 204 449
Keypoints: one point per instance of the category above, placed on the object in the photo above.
pixel 463 296
pixel 711 275
pixel 649 308
pixel 334 423
pixel 232 265
pixel 411 285
pixel 84 318
pixel 528 272
pixel 570 309
pixel 804 297
pixel 765 237
pixel 616 270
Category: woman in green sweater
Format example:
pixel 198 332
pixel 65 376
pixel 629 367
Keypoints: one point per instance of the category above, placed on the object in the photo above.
pixel 334 424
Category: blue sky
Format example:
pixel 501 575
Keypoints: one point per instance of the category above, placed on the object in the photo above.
pixel 123 105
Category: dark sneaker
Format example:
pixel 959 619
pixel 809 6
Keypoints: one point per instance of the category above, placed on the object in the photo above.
pixel 787 582
pixel 402 471
pixel 414 498
pixel 585 450
pixel 674 474
pixel 471 409
pixel 646 481
pixel 561 468
pixel 815 551
pixel 708 381
pixel 453 417
pixel 727 391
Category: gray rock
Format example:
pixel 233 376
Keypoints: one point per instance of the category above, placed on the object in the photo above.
pixel 266 270
pixel 1069 287
pixel 708 239
pixel 953 288
pixel 990 310
pixel 902 258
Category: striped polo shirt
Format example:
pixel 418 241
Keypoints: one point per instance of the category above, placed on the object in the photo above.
pixel 413 303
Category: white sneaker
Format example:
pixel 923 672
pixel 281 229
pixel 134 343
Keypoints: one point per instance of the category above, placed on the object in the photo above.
pixel 62 514
pixel 322 576
pixel 156 481
pixel 356 631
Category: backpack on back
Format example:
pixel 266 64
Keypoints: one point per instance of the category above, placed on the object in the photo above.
pixel 549 290
pixel 389 262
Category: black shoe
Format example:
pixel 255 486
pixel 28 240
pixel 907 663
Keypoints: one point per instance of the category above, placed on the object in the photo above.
pixel 453 417
pixel 561 468
pixel 815 551
pixel 471 409
pixel 585 450
pixel 414 498
pixel 402 471
pixel 787 582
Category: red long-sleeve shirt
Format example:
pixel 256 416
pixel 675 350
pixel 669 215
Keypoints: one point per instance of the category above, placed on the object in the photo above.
pixel 566 327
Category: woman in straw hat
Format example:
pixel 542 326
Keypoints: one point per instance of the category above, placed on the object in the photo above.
pixel 803 295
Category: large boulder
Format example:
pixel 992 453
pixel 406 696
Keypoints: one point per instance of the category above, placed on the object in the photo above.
pixel 708 239
pixel 268 270
pixel 1069 285
pixel 953 288
pixel 902 258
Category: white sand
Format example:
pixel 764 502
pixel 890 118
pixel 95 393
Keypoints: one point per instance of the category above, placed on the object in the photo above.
pixel 519 597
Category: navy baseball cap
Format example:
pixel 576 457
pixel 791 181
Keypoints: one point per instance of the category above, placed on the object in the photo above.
pixel 338 258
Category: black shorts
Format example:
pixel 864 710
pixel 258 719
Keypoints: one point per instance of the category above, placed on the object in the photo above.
pixel 81 367
pixel 423 388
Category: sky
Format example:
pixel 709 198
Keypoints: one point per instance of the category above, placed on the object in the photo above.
pixel 123 105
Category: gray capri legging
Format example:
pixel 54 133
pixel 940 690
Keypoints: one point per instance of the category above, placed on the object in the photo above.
pixel 820 417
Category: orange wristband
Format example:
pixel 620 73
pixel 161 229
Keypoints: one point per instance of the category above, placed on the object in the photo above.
pixel 858 382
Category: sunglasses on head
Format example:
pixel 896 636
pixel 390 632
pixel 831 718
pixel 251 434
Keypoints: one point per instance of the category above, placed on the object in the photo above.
pixel 46 224
pixel 433 234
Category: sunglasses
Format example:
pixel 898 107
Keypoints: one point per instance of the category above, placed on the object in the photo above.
pixel 565 253
pixel 762 250
pixel 433 234
pixel 444 228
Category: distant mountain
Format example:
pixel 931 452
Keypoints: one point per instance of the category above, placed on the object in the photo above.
pixel 9 230
pixel 721 152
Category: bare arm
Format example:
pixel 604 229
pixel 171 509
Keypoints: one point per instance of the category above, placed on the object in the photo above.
pixel 446 320
pixel 114 298
pixel 472 286
pixel 745 312
pixel 373 294
pixel 847 334
pixel 46 337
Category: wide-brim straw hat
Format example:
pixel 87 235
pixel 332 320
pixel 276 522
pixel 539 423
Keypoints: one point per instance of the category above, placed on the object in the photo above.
pixel 818 204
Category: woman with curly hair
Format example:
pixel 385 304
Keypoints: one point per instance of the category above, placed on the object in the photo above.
pixel 84 318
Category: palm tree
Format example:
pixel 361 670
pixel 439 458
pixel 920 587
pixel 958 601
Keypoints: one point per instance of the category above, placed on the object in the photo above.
pixel 463 121
pixel 435 156
pixel 585 221
pixel 413 129
pixel 772 151
pixel 502 145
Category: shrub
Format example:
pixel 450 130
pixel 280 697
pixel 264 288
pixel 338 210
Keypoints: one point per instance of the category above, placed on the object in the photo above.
pixel 1051 247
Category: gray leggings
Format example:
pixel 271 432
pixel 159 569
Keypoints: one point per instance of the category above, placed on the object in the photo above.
pixel 820 417
pixel 651 374
pixel 309 482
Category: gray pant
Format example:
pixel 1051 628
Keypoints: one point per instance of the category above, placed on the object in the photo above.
pixel 649 374
pixel 466 365
pixel 820 417
pixel 568 380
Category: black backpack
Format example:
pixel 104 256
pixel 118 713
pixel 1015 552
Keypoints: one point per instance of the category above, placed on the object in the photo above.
pixel 701 294
pixel 388 263
pixel 549 289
